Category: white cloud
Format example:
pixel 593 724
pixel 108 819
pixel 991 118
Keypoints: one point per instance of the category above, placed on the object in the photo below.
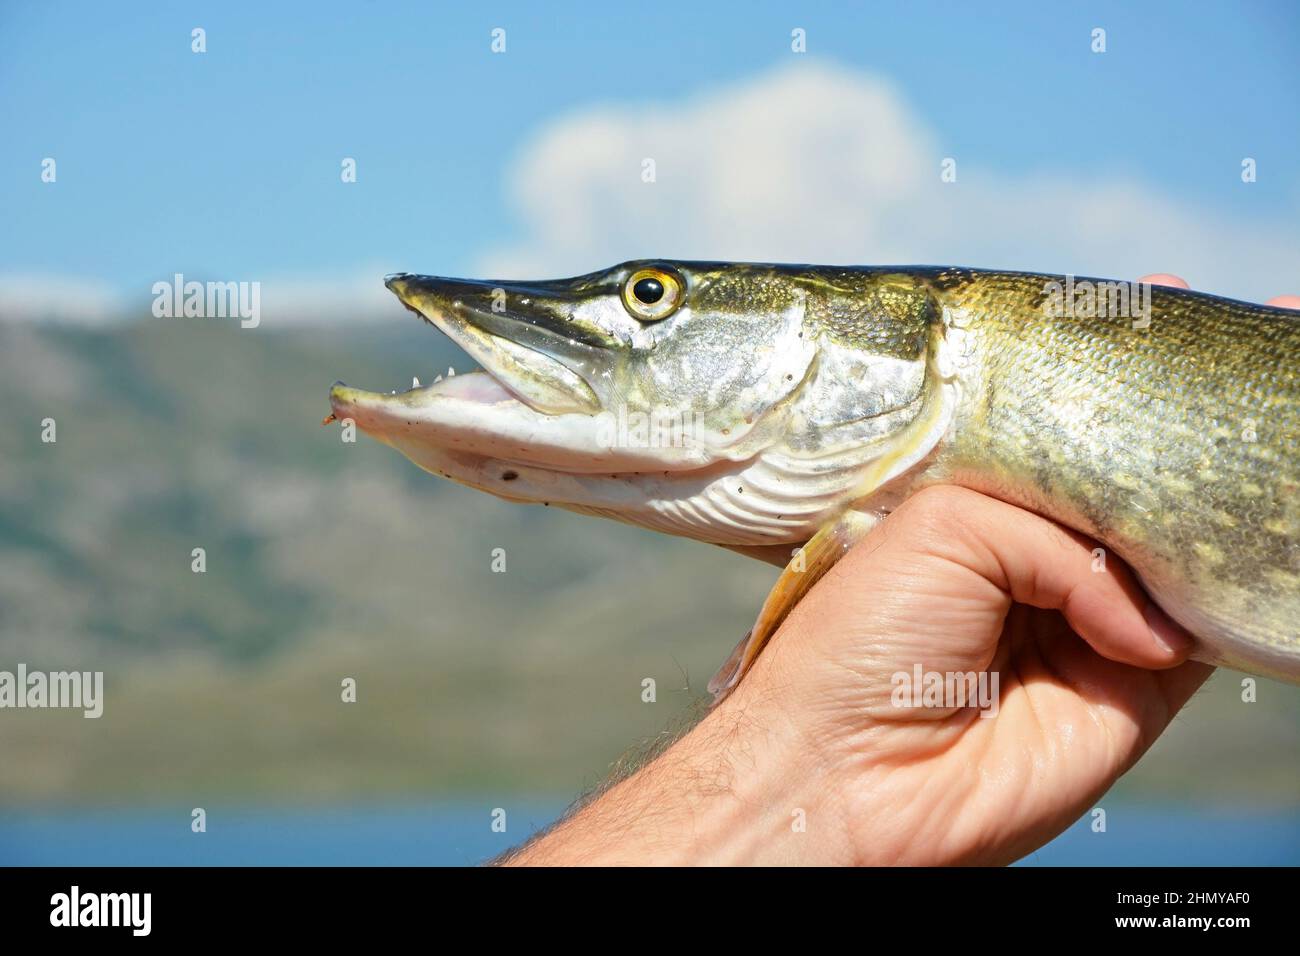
pixel 819 164
pixel 357 297
pixel 50 298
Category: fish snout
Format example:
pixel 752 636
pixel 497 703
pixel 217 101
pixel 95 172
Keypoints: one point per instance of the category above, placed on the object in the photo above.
pixel 406 286
pixel 345 400
pixel 429 294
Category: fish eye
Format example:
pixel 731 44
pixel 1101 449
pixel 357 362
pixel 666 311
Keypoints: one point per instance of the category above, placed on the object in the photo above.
pixel 648 290
pixel 652 295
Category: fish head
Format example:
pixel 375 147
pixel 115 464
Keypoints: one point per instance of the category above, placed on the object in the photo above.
pixel 715 347
pixel 626 392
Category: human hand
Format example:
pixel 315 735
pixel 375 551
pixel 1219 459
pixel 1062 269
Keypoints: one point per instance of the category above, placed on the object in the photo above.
pixel 1089 674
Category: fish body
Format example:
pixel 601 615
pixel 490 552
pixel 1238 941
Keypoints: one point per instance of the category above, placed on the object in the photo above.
pixel 752 405
pixel 1175 443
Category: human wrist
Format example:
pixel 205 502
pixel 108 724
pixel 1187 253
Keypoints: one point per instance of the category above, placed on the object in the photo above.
pixel 742 787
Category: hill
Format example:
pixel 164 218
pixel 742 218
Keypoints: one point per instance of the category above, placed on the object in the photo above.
pixel 327 560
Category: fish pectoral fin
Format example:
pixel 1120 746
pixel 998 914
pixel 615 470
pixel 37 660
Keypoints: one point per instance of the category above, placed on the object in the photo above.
pixel 805 569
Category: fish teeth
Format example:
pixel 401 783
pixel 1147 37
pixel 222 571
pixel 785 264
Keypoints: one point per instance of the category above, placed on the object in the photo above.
pixel 415 381
pixel 450 371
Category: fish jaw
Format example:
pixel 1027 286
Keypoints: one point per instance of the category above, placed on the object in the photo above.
pixel 476 415
pixel 514 330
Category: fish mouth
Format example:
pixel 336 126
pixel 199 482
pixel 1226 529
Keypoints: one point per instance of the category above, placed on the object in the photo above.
pixel 533 405
pixel 523 334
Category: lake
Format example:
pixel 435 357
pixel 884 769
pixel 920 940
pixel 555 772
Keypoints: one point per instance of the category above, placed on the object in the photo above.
pixel 461 834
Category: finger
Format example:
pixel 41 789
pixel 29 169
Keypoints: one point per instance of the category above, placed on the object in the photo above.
pixel 1165 278
pixel 1173 281
pixel 1038 562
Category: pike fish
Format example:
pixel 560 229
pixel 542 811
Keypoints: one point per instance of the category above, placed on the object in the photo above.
pixel 767 407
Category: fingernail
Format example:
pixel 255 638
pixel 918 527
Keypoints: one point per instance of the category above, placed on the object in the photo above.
pixel 1168 635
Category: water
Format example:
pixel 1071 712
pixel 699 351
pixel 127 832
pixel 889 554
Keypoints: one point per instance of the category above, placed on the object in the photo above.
pixel 461 834
pixel 1151 836
pixel 444 834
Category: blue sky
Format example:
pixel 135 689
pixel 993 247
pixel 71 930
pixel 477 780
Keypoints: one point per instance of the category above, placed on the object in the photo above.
pixel 227 163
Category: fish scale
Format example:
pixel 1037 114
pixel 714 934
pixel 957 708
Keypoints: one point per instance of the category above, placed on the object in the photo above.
pixel 1197 421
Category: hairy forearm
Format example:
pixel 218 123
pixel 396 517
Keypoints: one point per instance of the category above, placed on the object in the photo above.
pixel 740 788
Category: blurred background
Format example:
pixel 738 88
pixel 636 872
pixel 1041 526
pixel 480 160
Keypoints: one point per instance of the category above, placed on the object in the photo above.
pixel 479 691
